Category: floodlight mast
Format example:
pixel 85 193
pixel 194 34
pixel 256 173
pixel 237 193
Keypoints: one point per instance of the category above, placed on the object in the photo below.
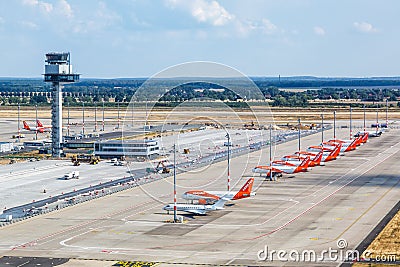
pixel 58 70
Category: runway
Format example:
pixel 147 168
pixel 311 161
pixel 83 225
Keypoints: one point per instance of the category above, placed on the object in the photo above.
pixel 343 200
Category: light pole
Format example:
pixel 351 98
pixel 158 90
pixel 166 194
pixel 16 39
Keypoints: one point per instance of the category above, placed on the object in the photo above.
pixel 322 127
pixel 299 132
pixel 229 171
pixel 36 132
pixel 145 122
pixel 133 107
pixel 118 115
pixel 103 116
pixel 175 218
pixel 387 107
pixel 364 118
pixel 68 124
pixel 83 119
pixel 351 123
pixel 270 152
pixel 95 117
pixel 19 128
pixel 377 118
pixel 334 125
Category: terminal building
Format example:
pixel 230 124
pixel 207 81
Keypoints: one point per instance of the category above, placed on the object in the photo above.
pixel 127 148
pixel 6 147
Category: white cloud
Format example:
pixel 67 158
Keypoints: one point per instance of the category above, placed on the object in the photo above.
pixel 264 26
pixel 65 8
pixel 103 17
pixel 211 12
pixel 29 24
pixel 365 27
pixel 319 31
pixel 268 27
pixel 43 6
pixel 204 11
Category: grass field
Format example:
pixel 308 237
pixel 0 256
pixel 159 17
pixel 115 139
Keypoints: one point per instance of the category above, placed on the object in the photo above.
pixel 184 114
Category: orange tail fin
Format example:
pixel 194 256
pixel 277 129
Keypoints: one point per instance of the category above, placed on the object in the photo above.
pixel 245 191
pixel 26 126
pixel 317 160
pixel 39 123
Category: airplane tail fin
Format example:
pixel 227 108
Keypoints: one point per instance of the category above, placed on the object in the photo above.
pixel 365 137
pixel 26 126
pixel 219 205
pixel 359 140
pixel 305 162
pixel 336 151
pixel 39 123
pixel 245 191
pixel 303 165
pixel 318 158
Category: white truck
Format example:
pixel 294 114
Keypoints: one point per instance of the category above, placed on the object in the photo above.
pixel 71 175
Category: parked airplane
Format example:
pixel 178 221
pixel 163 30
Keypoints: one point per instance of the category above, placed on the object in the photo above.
pixel 291 167
pixel 244 192
pixel 347 145
pixel 330 152
pixel 197 208
pixel 315 159
pixel 364 136
pixel 370 133
pixel 34 129
pixel 281 166
pixel 39 124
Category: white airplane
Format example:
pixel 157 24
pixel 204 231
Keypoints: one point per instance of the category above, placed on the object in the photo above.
pixel 370 133
pixel 244 192
pixel 198 209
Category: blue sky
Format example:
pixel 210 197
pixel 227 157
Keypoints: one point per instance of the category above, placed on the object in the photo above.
pixel 138 38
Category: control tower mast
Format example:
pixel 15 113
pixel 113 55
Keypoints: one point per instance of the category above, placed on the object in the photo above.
pixel 58 70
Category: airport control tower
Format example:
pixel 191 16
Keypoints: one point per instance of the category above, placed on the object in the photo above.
pixel 58 70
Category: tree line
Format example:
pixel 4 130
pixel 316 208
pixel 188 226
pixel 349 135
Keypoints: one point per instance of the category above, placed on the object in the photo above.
pixel 121 91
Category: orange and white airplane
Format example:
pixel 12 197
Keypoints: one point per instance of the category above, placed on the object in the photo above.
pixel 268 171
pixel 211 196
pixel 292 167
pixel 35 129
pixel 315 159
pixel 281 166
pixel 347 145
pixel 40 125
pixel 365 136
pixel 330 152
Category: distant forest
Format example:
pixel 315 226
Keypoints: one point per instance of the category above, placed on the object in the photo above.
pixel 285 92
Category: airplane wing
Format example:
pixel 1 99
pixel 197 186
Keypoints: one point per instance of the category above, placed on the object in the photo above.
pixel 199 212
